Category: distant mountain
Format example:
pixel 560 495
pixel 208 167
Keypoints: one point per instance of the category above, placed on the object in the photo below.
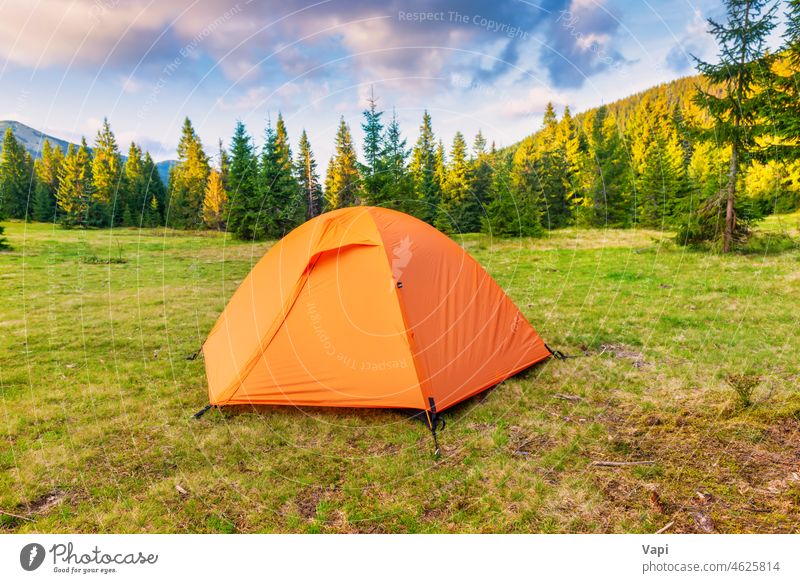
pixel 32 139
pixel 29 137
pixel 164 168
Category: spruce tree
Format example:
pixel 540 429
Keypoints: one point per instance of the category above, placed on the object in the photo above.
pixel 47 168
pixel 75 196
pixel 572 154
pixel 15 177
pixel 525 200
pixel 308 179
pixel 156 192
pixel 608 200
pixel 551 171
pixel 373 171
pixel 782 98
pixel 106 175
pixel 214 201
pixel 706 177
pixel 653 187
pixel 510 213
pixel 734 105
pixel 343 181
pixel 143 190
pixel 460 211
pixel 135 192
pixel 440 167
pixel 187 181
pixel 480 173
pixel 289 207
pixel 244 203
pixel 423 172
pixel 224 163
pixel 398 189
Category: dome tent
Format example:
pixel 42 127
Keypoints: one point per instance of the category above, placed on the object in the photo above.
pixel 366 307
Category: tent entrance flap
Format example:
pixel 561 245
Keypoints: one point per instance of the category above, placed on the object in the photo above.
pixel 342 342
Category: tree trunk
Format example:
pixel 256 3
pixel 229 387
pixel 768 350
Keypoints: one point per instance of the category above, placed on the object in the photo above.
pixel 730 215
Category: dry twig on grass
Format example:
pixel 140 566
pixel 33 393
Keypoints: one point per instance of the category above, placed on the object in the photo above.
pixel 16 516
pixel 665 528
pixel 566 397
pixel 606 464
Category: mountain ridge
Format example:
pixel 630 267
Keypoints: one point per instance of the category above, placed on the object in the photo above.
pixel 33 139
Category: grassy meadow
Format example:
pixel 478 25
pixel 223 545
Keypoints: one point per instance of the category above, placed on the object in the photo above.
pixel 96 433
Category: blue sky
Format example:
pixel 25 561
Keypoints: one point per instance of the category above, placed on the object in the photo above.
pixel 145 64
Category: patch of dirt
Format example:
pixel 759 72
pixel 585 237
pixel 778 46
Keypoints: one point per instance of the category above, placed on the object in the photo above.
pixel 704 522
pixel 707 479
pixel 44 503
pixel 27 511
pixel 379 449
pixel 618 350
pixel 307 500
pixel 481 427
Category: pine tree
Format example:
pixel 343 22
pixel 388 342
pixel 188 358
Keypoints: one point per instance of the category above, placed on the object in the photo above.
pixel 571 150
pixel 423 172
pixel 782 97
pixel 187 181
pixel 133 177
pixel 75 195
pixel 343 181
pixel 214 201
pixel 511 213
pixel 734 106
pixel 439 168
pixel 224 161
pixel 706 177
pixel 47 168
pixel 15 177
pixel 106 174
pixel 551 170
pixel 398 189
pixel 308 179
pixel 480 172
pixel 653 186
pixel 373 171
pixel 607 201
pixel 143 190
pixel 288 204
pixel 156 192
pixel 244 202
pixel 460 211
pixel 550 121
pixel 525 200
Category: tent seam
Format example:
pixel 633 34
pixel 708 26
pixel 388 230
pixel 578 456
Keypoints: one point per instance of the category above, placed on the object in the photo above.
pixel 412 345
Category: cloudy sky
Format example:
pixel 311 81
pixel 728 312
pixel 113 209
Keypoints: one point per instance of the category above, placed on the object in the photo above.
pixel 490 65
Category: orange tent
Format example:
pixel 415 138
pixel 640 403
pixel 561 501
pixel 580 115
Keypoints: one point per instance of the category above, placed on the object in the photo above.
pixel 366 307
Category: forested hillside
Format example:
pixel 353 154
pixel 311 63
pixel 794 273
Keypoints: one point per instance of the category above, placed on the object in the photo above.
pixel 699 155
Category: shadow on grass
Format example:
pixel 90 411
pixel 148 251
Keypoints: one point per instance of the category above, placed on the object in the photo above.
pixel 366 415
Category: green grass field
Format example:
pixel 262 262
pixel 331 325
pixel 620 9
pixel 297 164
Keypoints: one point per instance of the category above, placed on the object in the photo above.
pixel 95 419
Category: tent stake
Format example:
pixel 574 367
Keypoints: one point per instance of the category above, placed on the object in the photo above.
pixel 436 450
pixel 201 412
pixel 433 420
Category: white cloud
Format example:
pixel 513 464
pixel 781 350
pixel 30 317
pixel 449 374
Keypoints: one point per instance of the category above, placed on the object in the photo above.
pixel 130 85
